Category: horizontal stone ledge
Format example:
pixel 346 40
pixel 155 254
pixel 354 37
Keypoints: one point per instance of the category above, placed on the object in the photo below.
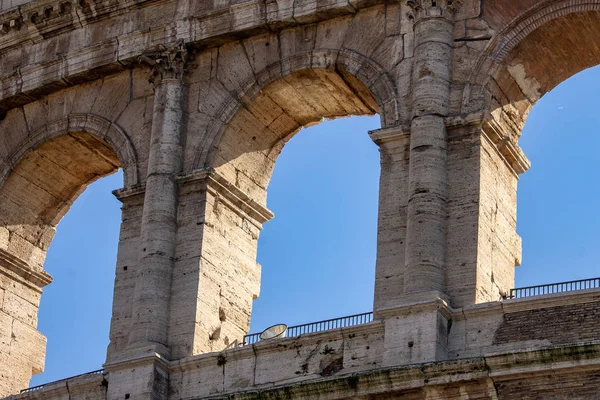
pixel 417 305
pixel 390 134
pixel 214 182
pixel 80 64
pixel 38 20
pixel 478 122
pixel 218 184
pixel 581 357
pixel 129 193
pixel 20 271
pixel 424 302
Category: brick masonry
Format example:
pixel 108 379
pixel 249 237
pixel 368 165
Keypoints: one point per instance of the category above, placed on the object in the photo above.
pixel 557 325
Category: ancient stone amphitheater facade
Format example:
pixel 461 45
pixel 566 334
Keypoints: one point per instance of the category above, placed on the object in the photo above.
pixel 194 100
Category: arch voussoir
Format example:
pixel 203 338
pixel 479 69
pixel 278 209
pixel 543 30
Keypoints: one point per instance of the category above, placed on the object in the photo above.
pixel 86 123
pixel 366 72
pixel 499 48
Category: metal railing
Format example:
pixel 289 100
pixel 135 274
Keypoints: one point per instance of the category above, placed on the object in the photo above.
pixel 294 331
pixel 572 286
pixel 39 387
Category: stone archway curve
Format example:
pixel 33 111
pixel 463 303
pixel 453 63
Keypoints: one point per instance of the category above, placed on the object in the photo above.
pixel 88 123
pixel 501 45
pixel 368 72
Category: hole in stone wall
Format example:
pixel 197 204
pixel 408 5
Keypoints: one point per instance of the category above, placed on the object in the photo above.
pixel 75 309
pixel 318 253
pixel 558 215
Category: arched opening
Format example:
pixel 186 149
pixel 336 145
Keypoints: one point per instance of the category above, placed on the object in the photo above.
pixel 45 173
pixel 537 52
pixel 557 43
pixel 75 310
pixel 318 253
pixel 253 139
pixel 43 185
pixel 557 202
pixel 242 152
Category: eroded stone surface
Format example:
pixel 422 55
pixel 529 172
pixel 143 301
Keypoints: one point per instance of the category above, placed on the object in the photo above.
pixel 195 101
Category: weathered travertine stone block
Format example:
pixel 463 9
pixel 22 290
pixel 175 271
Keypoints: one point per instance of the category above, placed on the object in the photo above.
pixel 22 347
pixel 197 133
pixel 216 265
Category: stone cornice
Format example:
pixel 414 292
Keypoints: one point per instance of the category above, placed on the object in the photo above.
pixel 551 300
pixel 41 19
pixel 415 306
pixel 151 358
pixel 19 270
pixel 216 184
pixel 579 357
pixel 219 185
pixel 128 193
pixel 527 304
pixel 390 134
pixel 47 73
pixel 509 150
pixel 479 121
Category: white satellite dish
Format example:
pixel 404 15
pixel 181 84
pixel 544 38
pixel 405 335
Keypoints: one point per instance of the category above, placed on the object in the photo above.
pixel 275 331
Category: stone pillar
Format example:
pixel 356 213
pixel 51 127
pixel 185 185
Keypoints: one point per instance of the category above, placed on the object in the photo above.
pixel 22 346
pixel 428 175
pixel 215 275
pixel 483 246
pixel 150 315
pixel 393 145
pixel 132 200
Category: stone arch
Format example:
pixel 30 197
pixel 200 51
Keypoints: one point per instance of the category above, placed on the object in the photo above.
pixel 257 112
pixel 48 170
pixel 74 123
pixel 509 74
pixel 359 77
pixel 542 46
pixel 42 175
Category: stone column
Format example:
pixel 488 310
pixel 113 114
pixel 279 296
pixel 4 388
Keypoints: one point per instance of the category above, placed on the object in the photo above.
pixel 159 218
pixel 128 252
pixel 428 175
pixel 393 145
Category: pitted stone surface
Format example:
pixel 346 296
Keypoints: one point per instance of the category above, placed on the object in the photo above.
pixel 195 101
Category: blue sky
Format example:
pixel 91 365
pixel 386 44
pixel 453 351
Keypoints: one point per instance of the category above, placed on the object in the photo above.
pixel 318 254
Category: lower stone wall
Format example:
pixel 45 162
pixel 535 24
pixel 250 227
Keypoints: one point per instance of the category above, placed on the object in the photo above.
pixel 285 361
pixel 539 348
pixel 561 372
pixel 85 387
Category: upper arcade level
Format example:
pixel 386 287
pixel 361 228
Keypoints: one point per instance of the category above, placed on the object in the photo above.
pixel 195 100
